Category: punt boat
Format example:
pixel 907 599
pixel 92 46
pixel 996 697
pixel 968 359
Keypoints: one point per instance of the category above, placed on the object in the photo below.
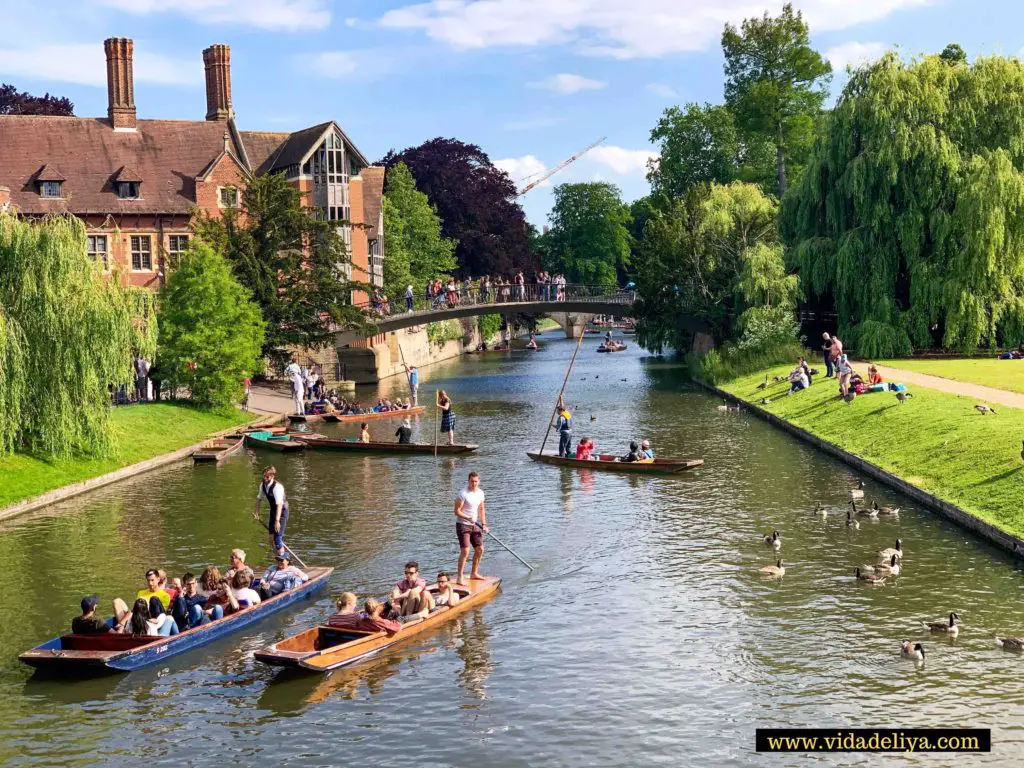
pixel 608 462
pixel 315 442
pixel 615 347
pixel 218 450
pixel 356 418
pixel 282 443
pixel 117 652
pixel 323 648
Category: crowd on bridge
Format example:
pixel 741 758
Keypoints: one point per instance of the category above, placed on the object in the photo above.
pixel 449 293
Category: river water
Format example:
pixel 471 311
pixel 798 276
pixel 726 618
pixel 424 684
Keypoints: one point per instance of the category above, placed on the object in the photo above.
pixel 644 636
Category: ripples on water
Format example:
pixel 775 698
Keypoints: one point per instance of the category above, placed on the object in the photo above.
pixel 644 636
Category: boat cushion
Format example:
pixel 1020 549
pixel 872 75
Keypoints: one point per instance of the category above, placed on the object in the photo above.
pixel 110 642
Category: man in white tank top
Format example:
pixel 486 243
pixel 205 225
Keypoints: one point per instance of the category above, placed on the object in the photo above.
pixel 470 526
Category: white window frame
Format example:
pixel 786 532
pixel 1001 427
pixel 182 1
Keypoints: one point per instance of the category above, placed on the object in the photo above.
pixel 147 251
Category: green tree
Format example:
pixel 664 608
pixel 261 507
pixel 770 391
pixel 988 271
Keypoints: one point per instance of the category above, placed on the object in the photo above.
pixel 589 237
pixel 211 331
pixel 953 54
pixel 776 85
pixel 415 251
pixel 294 263
pixel 910 214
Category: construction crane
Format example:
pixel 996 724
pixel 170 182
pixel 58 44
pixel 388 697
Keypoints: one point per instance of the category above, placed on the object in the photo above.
pixel 558 168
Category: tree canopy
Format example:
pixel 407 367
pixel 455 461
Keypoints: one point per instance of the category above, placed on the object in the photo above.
pixel 589 237
pixel 211 331
pixel 775 84
pixel 415 250
pixel 910 213
pixel 476 202
pixel 15 102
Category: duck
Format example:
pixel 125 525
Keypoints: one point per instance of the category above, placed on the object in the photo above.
pixel 773 540
pixel 866 511
pixel 870 578
pixel 983 409
pixel 858 492
pixel 891 511
pixel 1011 643
pixel 763 384
pixel 915 651
pixel 851 522
pixel 774 570
pixel 952 628
pixel 888 552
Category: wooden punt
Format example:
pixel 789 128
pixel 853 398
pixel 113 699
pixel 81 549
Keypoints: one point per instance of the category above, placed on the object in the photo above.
pixel 616 348
pixel 322 648
pixel 97 653
pixel 218 450
pixel 358 418
pixel 607 462
pixel 320 443
pixel 274 442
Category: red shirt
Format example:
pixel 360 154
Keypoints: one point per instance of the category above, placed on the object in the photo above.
pixel 583 449
pixel 405 585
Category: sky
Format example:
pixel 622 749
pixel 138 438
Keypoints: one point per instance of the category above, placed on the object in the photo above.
pixel 531 82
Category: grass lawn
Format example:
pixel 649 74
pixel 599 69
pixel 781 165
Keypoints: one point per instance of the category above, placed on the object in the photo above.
pixel 140 432
pixel 935 441
pixel 989 372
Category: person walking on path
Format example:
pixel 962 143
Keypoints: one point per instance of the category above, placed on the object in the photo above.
pixel 470 526
pixel 564 427
pixel 447 415
pixel 414 383
pixel 826 351
pixel 273 492
pixel 294 374
pixel 408 299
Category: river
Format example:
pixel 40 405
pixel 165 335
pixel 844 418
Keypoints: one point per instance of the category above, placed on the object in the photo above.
pixel 643 637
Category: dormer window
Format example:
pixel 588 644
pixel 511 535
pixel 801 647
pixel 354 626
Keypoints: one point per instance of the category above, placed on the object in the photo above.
pixel 50 179
pixel 128 190
pixel 228 197
pixel 50 189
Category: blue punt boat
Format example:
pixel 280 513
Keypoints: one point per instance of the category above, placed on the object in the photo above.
pixel 124 653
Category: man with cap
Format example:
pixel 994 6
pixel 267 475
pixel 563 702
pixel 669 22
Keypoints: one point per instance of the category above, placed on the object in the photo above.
pixel 281 577
pixel 89 623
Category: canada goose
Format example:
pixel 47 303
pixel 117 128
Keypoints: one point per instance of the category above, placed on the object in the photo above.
pixel 870 578
pixel 777 379
pixel 774 570
pixel 902 396
pixel 858 492
pixel 773 540
pixel 593 418
pixel 915 651
pixel 983 409
pixel 851 522
pixel 1011 643
pixel 891 511
pixel 952 628
pixel 763 384
pixel 1022 449
pixel 820 510
pixel 885 554
pixel 850 396
pixel 765 401
pixel 892 568
pixel 867 511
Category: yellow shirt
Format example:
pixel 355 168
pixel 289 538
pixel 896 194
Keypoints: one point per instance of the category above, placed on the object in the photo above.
pixel 365 435
pixel 163 597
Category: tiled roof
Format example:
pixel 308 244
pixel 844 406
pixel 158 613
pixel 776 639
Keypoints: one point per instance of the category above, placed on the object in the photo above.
pixel 373 201
pixel 262 147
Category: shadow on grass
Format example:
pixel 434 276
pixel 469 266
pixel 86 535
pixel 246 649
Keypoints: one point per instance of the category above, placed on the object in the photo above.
pixel 996 478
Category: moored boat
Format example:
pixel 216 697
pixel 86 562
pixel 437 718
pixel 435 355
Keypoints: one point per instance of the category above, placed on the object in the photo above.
pixel 320 443
pixel 117 652
pixel 357 418
pixel 282 443
pixel 218 450
pixel 608 462
pixel 324 648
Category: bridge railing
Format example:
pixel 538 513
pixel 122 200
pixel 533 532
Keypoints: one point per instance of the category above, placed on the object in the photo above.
pixel 497 296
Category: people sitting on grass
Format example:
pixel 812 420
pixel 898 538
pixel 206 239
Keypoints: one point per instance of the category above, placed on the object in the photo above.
pixel 89 623
pixel 281 577
pixel 798 380
pixel 874 377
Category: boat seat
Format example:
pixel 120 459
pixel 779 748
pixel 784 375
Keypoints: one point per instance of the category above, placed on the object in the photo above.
pixel 109 642
pixel 331 636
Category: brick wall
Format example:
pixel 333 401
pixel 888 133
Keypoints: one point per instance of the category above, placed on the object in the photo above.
pixel 360 245
pixel 227 173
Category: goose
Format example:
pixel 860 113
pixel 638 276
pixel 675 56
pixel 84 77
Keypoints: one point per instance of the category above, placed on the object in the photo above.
pixel 774 570
pixel 850 396
pixel 1011 643
pixel 858 492
pixel 773 540
pixel 851 522
pixel 983 409
pixel 593 418
pixel 885 554
pixel 777 379
pixel 763 384
pixel 891 511
pixel 820 510
pixel 765 401
pixel 1022 449
pixel 866 511
pixel 722 408
pixel 892 568
pixel 870 578
pixel 902 396
pixel 952 628
pixel 915 651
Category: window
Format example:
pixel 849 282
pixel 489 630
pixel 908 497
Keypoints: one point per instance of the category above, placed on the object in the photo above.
pixel 176 246
pixel 142 254
pixel 128 190
pixel 228 197
pixel 96 248
pixel 49 189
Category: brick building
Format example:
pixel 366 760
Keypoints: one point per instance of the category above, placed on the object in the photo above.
pixel 135 183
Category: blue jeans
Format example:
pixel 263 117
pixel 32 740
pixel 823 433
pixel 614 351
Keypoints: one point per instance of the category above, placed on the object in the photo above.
pixel 828 365
pixel 196 616
pixel 169 628
pixel 564 441
pixel 279 537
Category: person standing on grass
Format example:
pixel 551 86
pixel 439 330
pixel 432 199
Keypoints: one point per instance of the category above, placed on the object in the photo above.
pixel 141 379
pixel 826 352
pixel 273 492
pixel 470 526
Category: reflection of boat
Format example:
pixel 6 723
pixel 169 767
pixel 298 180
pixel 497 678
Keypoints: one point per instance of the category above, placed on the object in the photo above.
pixel 325 648
pixel 218 450
pixel 115 651
pixel 608 462
pixel 317 442
pixel 357 418
pixel 274 442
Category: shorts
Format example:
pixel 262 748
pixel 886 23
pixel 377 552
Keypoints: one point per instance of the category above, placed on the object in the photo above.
pixel 469 535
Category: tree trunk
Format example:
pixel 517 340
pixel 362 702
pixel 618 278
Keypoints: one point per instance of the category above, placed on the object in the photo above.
pixel 780 163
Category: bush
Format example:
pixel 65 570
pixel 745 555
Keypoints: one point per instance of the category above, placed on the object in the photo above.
pixel 874 340
pixel 732 361
pixel 444 331
pixel 489 326
pixel 767 327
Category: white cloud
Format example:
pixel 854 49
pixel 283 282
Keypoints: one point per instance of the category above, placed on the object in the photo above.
pixel 853 54
pixel 85 63
pixel 622 161
pixel 622 29
pixel 566 83
pixel 276 15
pixel 522 169
pixel 330 63
pixel 661 89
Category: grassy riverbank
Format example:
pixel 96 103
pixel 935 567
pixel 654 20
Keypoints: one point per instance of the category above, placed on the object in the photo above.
pixel 935 441
pixel 140 432
pixel 989 372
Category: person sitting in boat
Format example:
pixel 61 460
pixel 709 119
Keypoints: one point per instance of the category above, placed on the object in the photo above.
pixel 281 577
pixel 364 433
pixel 187 608
pixel 139 622
pixel 404 433
pixel 346 614
pixel 153 589
pixel 584 448
pixel 89 623
pixel 163 623
pixel 245 595
pixel 645 449
pixel 208 581
pixel 634 453
pixel 238 565
pixel 222 602
pixel 444 594
pixel 373 620
pixel 407 596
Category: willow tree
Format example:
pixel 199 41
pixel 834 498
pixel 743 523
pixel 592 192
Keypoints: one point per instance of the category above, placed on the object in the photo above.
pixel 67 333
pixel 910 214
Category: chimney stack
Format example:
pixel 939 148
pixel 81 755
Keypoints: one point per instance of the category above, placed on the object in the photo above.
pixel 218 82
pixel 120 83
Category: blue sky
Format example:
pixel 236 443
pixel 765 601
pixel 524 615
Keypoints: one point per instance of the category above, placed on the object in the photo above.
pixel 530 81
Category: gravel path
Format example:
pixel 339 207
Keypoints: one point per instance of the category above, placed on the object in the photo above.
pixel 981 394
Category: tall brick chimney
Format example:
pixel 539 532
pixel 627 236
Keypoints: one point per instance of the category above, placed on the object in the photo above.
pixel 120 83
pixel 218 82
